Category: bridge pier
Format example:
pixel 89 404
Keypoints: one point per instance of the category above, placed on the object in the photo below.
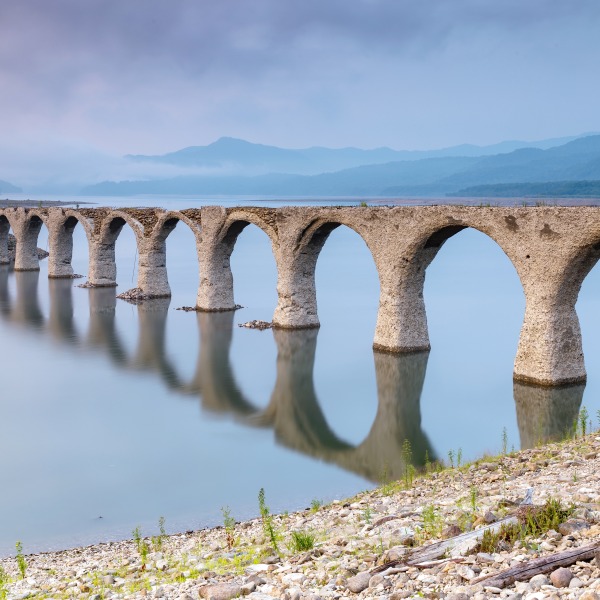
pixel 152 268
pixel 60 246
pixel 215 292
pixel 550 351
pixel 401 319
pixel 26 230
pixel 102 265
pixel 296 292
pixel 4 229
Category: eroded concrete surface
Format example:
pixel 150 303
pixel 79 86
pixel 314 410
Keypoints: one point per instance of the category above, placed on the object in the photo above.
pixel 551 248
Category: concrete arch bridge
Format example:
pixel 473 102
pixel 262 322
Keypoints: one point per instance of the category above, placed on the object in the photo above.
pixel 551 248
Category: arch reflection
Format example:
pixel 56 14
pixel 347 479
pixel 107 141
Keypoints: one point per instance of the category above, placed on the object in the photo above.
pixel 293 411
pixel 546 414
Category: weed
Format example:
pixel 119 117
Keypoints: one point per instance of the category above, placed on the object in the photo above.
pixel 158 540
pixel 267 520
pixel 367 514
pixel 494 541
pixel 532 521
pixel 451 458
pixel 539 519
pixel 459 457
pixel 409 469
pixel 432 523
pixel 3 582
pixel 315 504
pixel 473 498
pixel 229 523
pixel 427 462
pixel 363 205
pixel 504 441
pixel 302 541
pixel 575 477
pixel 141 545
pixel 21 562
pixel 583 419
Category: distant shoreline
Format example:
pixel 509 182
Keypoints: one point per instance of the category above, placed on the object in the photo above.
pixel 7 203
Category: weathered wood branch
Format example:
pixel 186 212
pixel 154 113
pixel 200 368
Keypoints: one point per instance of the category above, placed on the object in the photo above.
pixel 456 545
pixel 539 566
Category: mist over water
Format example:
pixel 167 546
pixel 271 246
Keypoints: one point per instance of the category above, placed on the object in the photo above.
pixel 114 415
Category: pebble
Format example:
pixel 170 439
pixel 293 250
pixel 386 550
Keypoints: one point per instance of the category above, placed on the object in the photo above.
pixel 561 577
pixel 220 591
pixel 359 582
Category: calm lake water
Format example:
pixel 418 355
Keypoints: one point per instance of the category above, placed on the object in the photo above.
pixel 114 415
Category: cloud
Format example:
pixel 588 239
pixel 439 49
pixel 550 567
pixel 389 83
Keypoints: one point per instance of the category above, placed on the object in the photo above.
pixel 150 75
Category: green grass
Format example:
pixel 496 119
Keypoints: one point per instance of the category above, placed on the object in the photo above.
pixel 301 541
pixel 3 581
pixel 533 521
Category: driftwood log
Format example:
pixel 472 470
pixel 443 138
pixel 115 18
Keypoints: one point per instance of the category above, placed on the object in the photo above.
pixel 538 566
pixel 455 546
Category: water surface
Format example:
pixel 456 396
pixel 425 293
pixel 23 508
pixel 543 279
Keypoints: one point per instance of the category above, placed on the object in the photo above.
pixel 114 415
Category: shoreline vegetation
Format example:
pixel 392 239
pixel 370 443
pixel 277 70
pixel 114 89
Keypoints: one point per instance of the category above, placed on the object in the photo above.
pixel 450 532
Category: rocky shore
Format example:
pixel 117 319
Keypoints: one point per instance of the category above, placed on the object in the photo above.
pixel 365 547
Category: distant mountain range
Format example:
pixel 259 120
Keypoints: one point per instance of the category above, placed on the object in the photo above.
pixel 417 174
pixel 547 189
pixel 8 188
pixel 238 157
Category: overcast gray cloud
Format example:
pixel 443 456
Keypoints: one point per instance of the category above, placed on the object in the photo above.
pixel 155 75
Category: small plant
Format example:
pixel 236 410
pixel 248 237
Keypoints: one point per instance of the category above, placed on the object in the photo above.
pixel 315 504
pixel 503 539
pixel 427 462
pixel 532 521
pixel 229 524
pixel 141 545
pixel 432 522
pixel 539 519
pixel 302 541
pixel 451 458
pixel 363 204
pixel 367 514
pixel 158 541
pixel 21 562
pixel 409 469
pixel 3 582
pixel 504 441
pixel 267 520
pixel 583 420
pixel 459 457
pixel 473 498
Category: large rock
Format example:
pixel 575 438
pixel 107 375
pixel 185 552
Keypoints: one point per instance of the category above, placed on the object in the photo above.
pixel 561 577
pixel 221 591
pixel 359 582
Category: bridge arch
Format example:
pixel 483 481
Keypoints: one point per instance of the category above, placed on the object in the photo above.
pixel 26 225
pixel 297 258
pixel 62 225
pixel 402 320
pixel 220 232
pixel 103 266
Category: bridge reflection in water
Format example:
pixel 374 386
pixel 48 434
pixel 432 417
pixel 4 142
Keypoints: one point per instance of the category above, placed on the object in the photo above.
pixel 293 411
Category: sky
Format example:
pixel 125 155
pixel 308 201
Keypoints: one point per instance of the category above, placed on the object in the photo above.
pixel 152 76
